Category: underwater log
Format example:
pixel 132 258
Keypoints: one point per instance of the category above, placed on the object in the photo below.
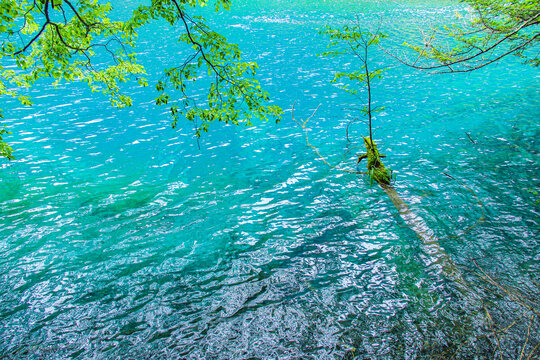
pixel 383 176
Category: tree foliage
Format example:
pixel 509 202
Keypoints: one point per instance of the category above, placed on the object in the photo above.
pixel 5 150
pixel 354 42
pixel 61 39
pixel 488 32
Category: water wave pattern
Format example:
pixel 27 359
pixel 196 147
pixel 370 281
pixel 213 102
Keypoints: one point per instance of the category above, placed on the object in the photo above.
pixel 119 238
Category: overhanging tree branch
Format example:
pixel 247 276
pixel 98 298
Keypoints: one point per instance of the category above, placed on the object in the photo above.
pixel 506 32
pixel 63 49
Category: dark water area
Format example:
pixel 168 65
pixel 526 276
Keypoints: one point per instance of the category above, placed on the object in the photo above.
pixel 119 238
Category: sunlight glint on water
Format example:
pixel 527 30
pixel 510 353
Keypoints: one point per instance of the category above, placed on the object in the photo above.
pixel 120 238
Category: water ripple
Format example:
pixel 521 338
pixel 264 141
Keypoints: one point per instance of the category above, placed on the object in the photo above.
pixel 120 238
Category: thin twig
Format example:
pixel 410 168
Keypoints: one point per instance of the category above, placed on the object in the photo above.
pixel 527 339
pixel 347 129
pixel 532 352
pixel 492 324
pixel 515 297
pixel 474 142
pixel 302 124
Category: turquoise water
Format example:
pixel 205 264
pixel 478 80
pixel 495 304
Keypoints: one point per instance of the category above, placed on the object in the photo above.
pixel 120 238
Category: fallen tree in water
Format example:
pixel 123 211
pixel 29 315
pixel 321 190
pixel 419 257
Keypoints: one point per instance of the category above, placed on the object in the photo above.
pixel 353 41
pixel 383 176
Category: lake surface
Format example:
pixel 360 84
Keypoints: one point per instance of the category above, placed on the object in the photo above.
pixel 119 238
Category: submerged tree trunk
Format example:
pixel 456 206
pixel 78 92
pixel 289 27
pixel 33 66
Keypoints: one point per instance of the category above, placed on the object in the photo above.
pixel 424 233
pixel 382 176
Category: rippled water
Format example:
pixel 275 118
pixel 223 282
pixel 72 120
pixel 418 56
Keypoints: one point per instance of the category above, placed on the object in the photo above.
pixel 120 238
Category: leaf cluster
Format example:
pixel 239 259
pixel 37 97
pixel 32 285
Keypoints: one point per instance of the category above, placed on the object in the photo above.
pixel 59 39
pixel 353 41
pixel 233 97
